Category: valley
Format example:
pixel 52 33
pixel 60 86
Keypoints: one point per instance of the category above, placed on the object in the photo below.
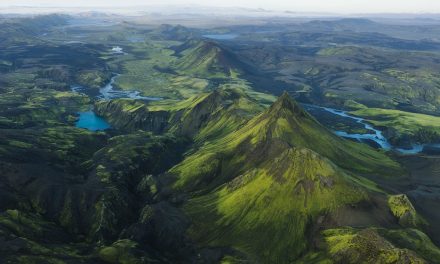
pixel 290 141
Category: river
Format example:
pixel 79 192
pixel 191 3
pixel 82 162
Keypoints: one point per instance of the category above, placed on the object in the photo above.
pixel 375 134
pixel 108 92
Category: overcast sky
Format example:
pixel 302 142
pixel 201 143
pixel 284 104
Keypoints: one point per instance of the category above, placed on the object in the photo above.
pixel 340 6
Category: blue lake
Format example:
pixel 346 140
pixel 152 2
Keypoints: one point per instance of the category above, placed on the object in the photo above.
pixel 221 36
pixel 89 120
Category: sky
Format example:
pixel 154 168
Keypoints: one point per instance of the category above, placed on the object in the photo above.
pixel 332 6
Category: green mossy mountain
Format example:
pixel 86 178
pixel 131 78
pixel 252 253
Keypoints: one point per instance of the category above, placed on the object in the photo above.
pixel 257 174
pixel 204 116
pixel 268 180
pixel 286 124
pixel 208 59
pixel 219 177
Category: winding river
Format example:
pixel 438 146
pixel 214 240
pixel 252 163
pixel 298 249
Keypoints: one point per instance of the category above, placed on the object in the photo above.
pixel 108 92
pixel 376 135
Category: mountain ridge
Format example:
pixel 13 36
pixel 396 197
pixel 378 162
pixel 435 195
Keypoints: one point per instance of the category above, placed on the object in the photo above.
pixel 265 181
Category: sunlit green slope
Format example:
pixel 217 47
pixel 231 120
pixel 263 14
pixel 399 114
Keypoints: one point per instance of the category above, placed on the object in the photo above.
pixel 285 125
pixel 262 187
pixel 209 115
pixel 208 59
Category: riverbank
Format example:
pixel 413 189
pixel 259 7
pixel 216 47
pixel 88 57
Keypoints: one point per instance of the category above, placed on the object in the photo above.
pixel 372 133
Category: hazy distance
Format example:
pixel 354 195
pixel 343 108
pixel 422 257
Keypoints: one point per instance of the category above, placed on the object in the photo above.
pixel 336 6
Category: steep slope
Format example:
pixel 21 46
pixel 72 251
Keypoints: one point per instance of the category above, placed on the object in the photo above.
pixel 209 59
pixel 277 201
pixel 132 115
pixel 201 117
pixel 287 121
pixel 286 125
pixel 216 114
pixel 272 180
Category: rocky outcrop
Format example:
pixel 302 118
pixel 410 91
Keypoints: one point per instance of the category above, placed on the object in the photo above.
pixel 404 211
pixel 369 246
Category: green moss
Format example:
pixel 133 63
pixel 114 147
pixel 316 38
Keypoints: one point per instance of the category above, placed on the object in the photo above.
pixel 209 60
pixel 92 78
pixel 404 211
pixel 38 240
pixel 150 73
pixel 315 258
pixel 19 144
pixel 338 51
pixel 40 107
pixel 253 208
pixel 241 182
pixel 103 174
pixel 25 224
pixel 109 254
pixel 296 129
pixel 351 104
pixel 415 240
pixel 38 260
pixel 233 260
pixel 405 124
pixel 348 245
pixel 120 252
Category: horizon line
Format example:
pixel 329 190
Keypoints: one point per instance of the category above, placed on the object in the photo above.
pixel 250 9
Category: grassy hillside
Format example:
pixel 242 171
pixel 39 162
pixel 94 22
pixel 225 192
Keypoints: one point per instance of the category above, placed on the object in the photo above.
pixel 208 115
pixel 287 122
pixel 277 201
pixel 208 59
pixel 241 184
pixel 404 126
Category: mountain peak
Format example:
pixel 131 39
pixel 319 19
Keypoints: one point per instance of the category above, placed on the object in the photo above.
pixel 286 103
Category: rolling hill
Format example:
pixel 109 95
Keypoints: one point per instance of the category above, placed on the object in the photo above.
pixel 209 59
